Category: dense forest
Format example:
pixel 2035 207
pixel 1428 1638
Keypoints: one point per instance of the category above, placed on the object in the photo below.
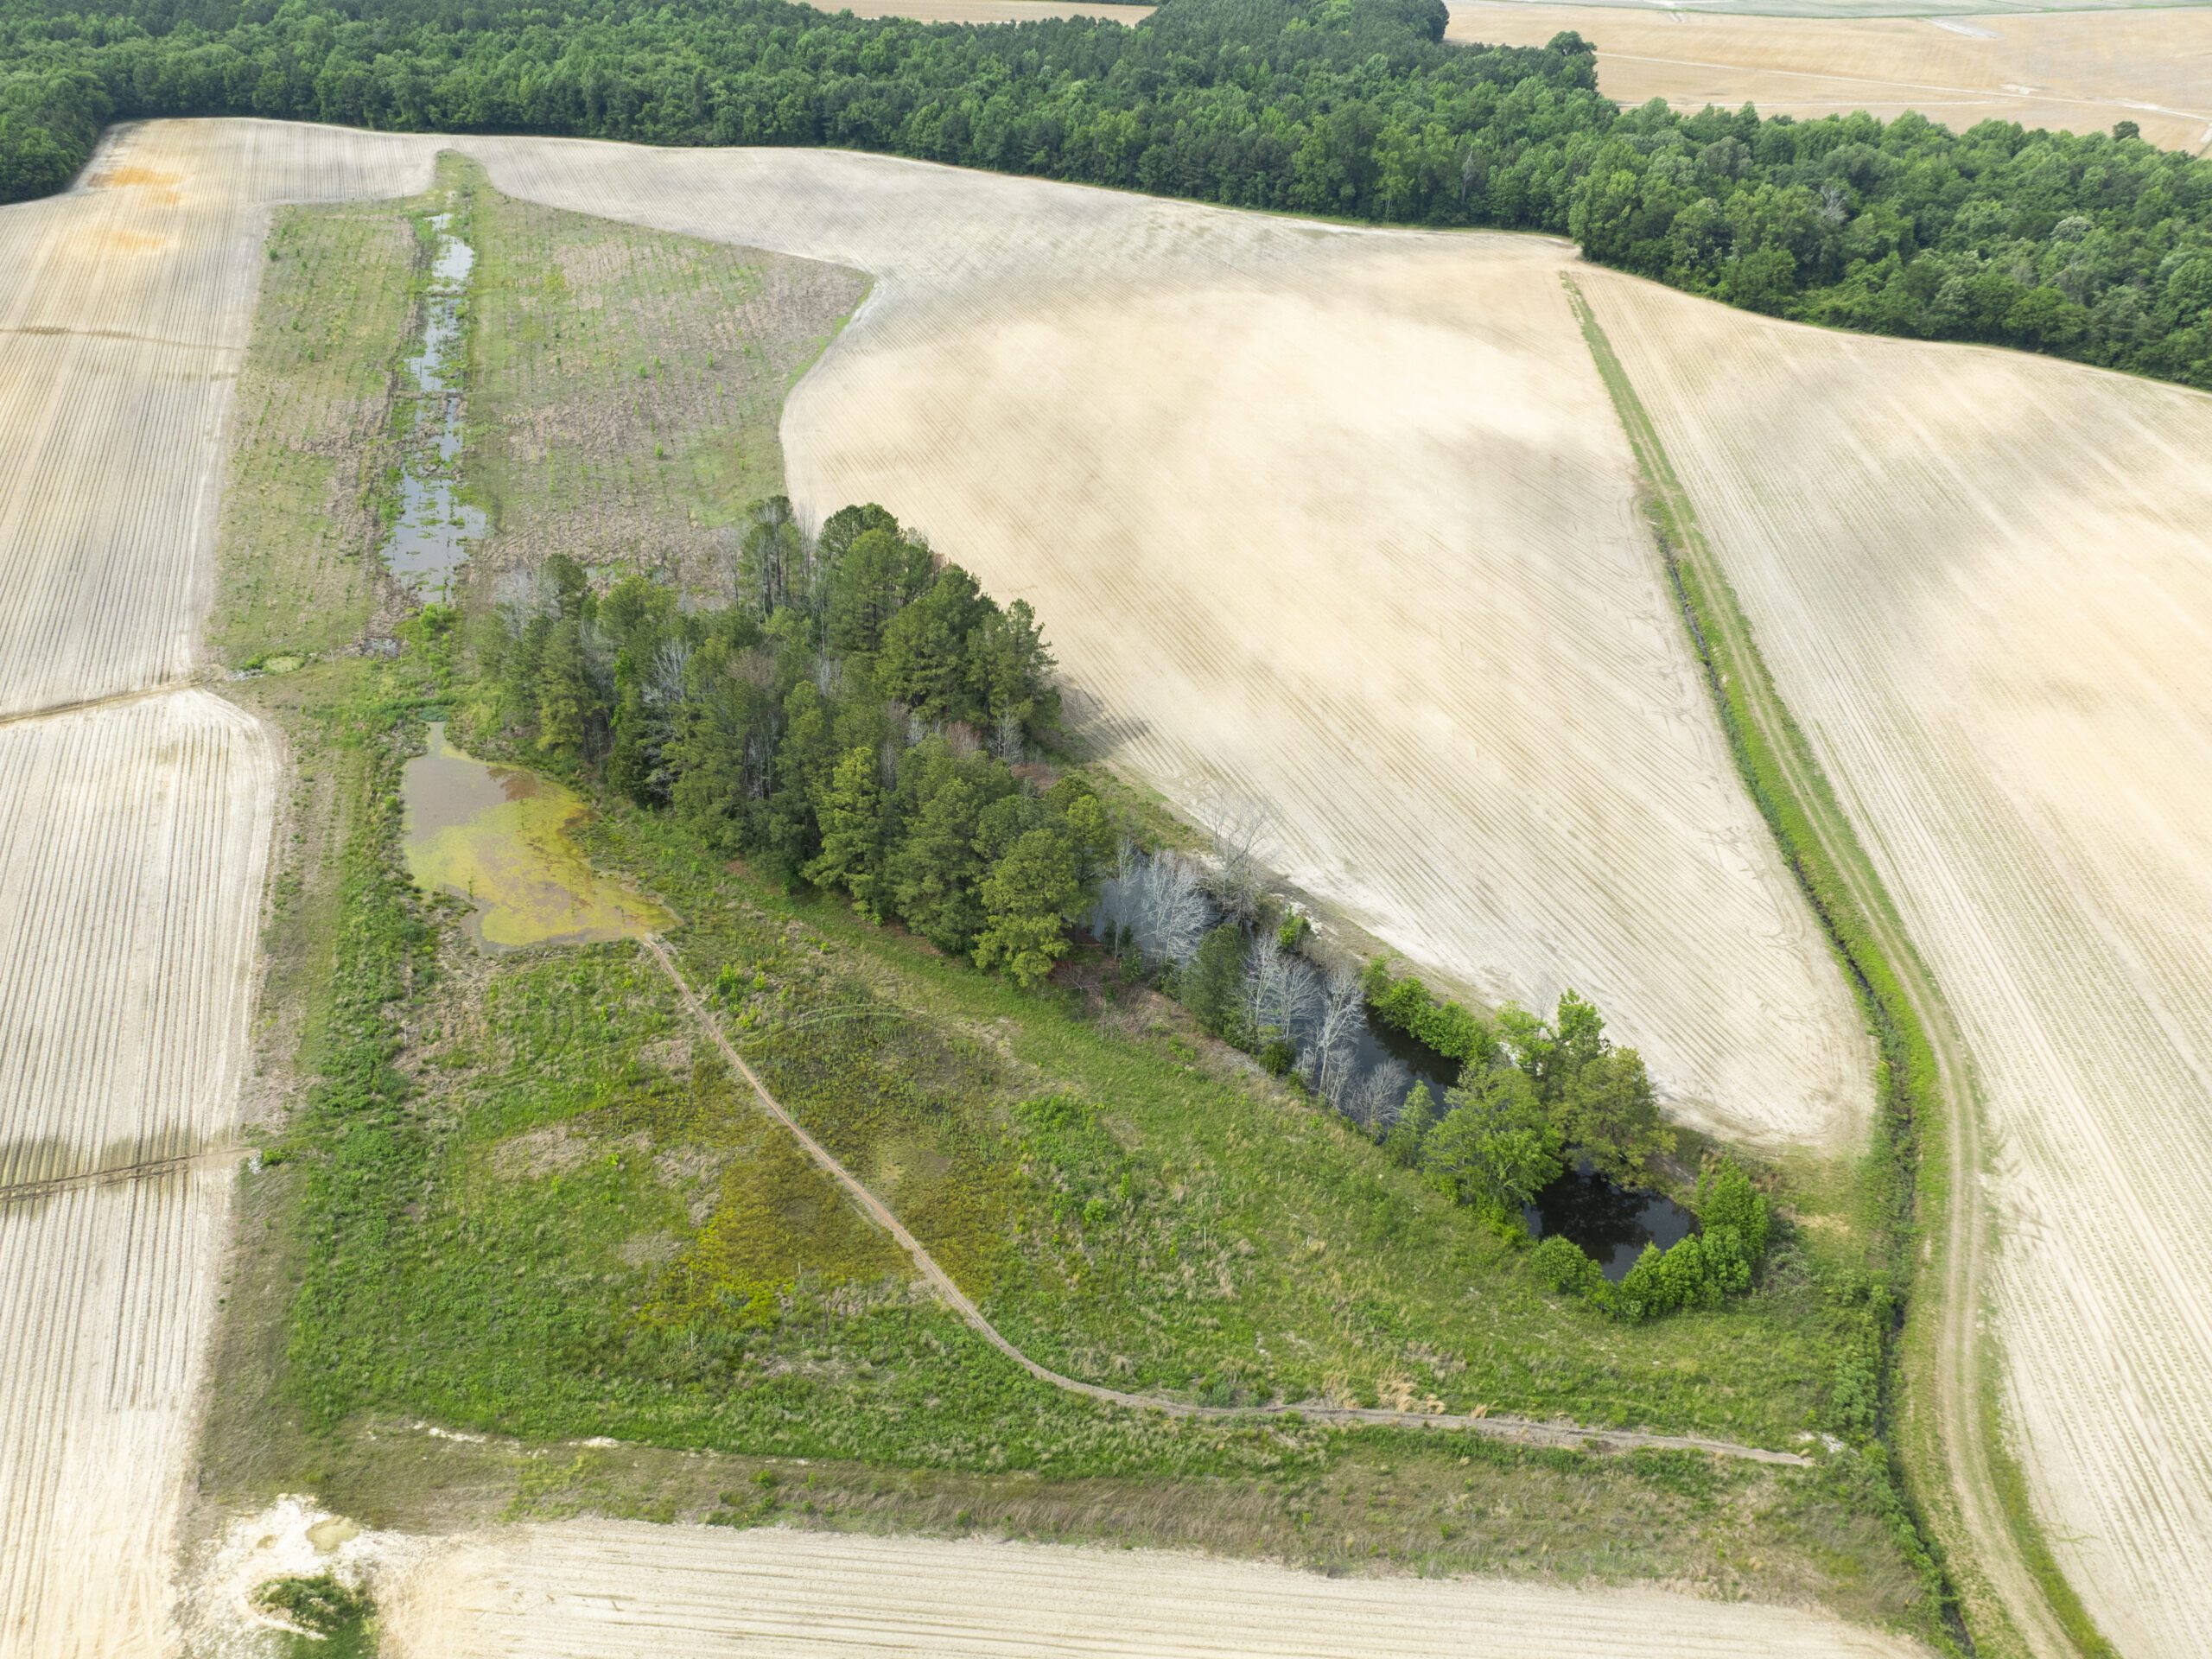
pixel 855 720
pixel 2097 247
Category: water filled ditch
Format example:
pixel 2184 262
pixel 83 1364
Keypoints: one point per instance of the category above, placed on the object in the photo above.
pixel 498 837
pixel 434 529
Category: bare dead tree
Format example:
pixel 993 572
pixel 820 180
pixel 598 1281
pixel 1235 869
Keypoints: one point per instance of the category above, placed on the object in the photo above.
pixel 1281 990
pixel 1240 878
pixel 1375 1099
pixel 1337 1021
pixel 663 686
pixel 1159 899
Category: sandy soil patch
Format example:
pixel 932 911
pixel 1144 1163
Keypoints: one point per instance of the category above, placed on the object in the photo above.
pixel 1983 584
pixel 1340 522
pixel 596 1590
pixel 2077 72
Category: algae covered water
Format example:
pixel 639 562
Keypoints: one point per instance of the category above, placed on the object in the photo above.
pixel 499 837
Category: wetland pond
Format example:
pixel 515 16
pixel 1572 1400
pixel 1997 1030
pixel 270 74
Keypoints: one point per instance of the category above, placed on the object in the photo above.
pixel 434 529
pixel 499 838
pixel 1612 1222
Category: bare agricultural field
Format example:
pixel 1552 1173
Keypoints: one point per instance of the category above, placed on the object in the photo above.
pixel 133 840
pixel 125 305
pixel 596 1590
pixel 2076 71
pixel 1339 523
pixel 1983 585
pixel 132 844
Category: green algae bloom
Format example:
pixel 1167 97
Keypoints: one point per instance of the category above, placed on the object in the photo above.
pixel 497 837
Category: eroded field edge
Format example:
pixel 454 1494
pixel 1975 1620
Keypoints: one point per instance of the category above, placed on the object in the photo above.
pixel 1930 1275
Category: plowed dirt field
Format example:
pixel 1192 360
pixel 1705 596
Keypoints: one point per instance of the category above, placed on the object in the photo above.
pixel 2073 70
pixel 607 1590
pixel 1338 522
pixel 1983 583
pixel 133 840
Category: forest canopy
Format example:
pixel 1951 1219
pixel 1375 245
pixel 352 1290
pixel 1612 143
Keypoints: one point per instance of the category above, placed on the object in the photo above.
pixel 2095 246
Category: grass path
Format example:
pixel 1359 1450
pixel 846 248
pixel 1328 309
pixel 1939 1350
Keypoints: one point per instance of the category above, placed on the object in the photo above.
pixel 2014 1596
pixel 1523 1430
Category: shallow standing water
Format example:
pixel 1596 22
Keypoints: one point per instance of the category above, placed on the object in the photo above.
pixel 497 837
pixel 434 530
pixel 1611 1224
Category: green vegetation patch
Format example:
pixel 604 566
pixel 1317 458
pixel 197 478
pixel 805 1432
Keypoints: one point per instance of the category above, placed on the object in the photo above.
pixel 626 384
pixel 329 1619
pixel 313 440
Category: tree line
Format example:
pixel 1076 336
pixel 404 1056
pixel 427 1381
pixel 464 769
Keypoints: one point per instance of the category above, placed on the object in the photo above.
pixel 854 718
pixel 2096 246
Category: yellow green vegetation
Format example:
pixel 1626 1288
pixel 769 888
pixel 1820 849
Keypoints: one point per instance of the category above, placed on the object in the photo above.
pixel 499 838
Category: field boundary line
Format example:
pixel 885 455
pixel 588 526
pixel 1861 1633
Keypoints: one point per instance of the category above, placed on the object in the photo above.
pixel 1524 1430
pixel 115 1174
pixel 1967 1490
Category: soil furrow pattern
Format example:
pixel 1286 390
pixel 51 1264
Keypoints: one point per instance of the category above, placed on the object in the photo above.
pixel 1333 522
pixel 609 1590
pixel 1983 589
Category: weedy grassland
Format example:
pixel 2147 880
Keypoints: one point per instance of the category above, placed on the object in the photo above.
pixel 315 433
pixel 627 384
pixel 520 1202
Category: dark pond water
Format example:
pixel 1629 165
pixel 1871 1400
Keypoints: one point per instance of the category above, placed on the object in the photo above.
pixel 1378 1045
pixel 1611 1224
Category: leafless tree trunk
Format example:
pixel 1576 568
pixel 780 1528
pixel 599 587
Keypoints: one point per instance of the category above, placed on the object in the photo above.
pixel 1281 990
pixel 1336 1038
pixel 1240 878
pixel 1376 1097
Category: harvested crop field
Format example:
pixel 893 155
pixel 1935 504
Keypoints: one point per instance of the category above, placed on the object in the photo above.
pixel 132 841
pixel 2074 71
pixel 594 1589
pixel 123 310
pixel 1981 581
pixel 1338 522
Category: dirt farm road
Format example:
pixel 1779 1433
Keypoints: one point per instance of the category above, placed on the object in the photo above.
pixel 2009 1608
pixel 1524 1430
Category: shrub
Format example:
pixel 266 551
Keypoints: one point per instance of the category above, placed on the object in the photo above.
pixel 1725 1197
pixel 1563 1268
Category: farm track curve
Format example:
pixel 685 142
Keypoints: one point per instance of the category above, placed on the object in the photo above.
pixel 1984 1548
pixel 1524 1430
